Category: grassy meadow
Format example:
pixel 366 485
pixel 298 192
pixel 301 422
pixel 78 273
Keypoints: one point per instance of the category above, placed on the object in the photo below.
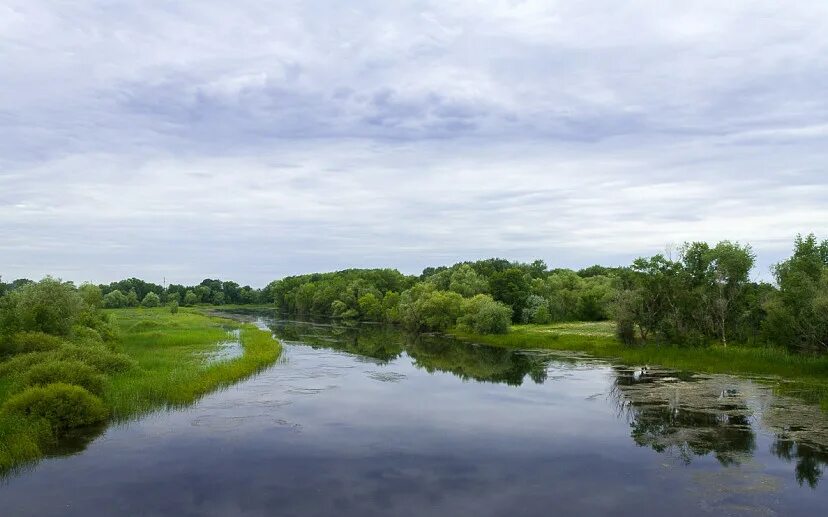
pixel 159 360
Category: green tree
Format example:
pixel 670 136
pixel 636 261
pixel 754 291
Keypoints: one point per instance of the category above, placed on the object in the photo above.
pixel 151 300
pixel 483 315
pixel 797 315
pixel 132 299
pixel 466 282
pixel 190 298
pixel 115 299
pixel 91 294
pixel 511 287
pixel 49 306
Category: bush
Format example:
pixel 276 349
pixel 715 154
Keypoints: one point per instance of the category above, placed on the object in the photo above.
pixel 23 342
pixel 62 405
pixel 174 307
pixel 483 315
pixel 98 357
pixel 49 306
pixel 151 300
pixel 68 372
pixel 114 300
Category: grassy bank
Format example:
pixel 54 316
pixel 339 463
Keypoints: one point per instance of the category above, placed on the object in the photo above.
pixel 159 360
pixel 802 375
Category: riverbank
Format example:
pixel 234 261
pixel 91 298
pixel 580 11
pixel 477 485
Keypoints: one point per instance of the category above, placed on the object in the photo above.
pixel 802 375
pixel 158 360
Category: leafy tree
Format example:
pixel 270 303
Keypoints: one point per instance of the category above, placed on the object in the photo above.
pixel 511 287
pixel 797 316
pixel 483 315
pixel 49 306
pixel 151 300
pixel 91 294
pixel 132 298
pixel 370 307
pixel 466 282
pixel 190 298
pixel 115 299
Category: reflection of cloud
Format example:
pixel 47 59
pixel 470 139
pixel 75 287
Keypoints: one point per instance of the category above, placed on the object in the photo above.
pixel 714 414
pixel 418 134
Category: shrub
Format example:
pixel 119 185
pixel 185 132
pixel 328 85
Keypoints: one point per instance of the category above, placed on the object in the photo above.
pixel 98 357
pixel 483 315
pixel 151 300
pixel 174 307
pixel 115 299
pixel 49 306
pixel 62 405
pixel 23 342
pixel 68 372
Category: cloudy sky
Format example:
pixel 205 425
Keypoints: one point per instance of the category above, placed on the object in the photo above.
pixel 250 139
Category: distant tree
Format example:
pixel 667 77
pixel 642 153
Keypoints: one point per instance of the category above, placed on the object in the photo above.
pixel 483 315
pixel 48 306
pixel 173 297
pixel 797 315
pixel 370 307
pixel 91 295
pixel 190 298
pixel 151 300
pixel 115 299
pixel 466 282
pixel 511 286
pixel 132 299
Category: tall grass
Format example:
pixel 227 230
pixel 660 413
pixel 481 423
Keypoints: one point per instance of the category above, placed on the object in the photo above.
pixel 172 370
pixel 160 361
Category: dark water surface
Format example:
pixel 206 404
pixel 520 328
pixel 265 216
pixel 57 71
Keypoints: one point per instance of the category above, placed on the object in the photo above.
pixel 370 421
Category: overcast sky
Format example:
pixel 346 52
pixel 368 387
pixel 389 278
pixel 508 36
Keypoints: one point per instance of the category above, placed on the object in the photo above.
pixel 249 140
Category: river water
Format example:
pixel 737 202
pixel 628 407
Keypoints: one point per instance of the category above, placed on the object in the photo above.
pixel 366 420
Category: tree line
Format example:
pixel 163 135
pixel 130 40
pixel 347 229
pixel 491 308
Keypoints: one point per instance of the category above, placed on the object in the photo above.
pixel 703 294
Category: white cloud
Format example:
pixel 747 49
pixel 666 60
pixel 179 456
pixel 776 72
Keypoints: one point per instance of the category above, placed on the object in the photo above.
pixel 194 139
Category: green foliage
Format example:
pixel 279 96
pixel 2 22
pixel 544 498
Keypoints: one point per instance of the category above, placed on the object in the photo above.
pixel 151 300
pixel 64 406
pixel 174 307
pixel 114 299
pixel 92 295
pixel 701 297
pixel 483 315
pixel 797 314
pixel 190 298
pixel 511 287
pixel 465 281
pixel 68 372
pixel 33 341
pixel 49 306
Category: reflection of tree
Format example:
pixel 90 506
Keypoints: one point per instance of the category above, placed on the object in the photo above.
pixel 428 351
pixel 810 460
pixel 690 418
pixel 376 341
pixel 478 362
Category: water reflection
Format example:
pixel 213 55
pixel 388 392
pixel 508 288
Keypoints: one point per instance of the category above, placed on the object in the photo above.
pixel 680 414
pixel 431 352
pixel 695 415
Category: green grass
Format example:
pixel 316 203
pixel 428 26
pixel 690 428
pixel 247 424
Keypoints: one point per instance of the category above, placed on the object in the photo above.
pixel 803 375
pixel 172 370
pixel 161 360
